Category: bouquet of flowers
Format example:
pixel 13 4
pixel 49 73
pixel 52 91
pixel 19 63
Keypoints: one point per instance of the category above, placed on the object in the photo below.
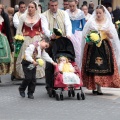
pixel 19 39
pixel 94 37
pixel 40 63
pixel 117 24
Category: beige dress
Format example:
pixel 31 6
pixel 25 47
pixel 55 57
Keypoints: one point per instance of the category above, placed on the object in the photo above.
pixel 31 33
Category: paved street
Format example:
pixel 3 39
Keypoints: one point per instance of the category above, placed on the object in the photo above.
pixel 13 107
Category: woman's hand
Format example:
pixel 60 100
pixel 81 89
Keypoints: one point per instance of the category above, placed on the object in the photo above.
pixel 108 34
pixel 35 63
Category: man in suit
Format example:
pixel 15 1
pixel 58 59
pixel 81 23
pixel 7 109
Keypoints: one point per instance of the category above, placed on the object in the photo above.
pixel 116 14
pixel 54 18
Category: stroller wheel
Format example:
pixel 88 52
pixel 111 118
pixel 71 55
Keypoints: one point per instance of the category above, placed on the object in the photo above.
pixel 83 96
pixel 61 96
pixel 73 93
pixel 78 96
pixel 69 93
pixel 57 97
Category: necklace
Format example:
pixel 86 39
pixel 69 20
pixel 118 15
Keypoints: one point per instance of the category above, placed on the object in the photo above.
pixel 31 16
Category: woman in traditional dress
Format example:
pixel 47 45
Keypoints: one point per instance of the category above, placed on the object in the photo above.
pixel 30 28
pixel 100 64
pixel 77 18
pixel 85 10
pixel 6 43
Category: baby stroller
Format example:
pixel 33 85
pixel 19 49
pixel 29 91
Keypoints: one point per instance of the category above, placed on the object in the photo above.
pixel 64 47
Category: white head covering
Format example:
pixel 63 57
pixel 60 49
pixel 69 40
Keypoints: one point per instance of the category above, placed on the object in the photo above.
pixel 108 25
pixel 92 18
pixel 37 9
pixel 23 19
pixel 36 16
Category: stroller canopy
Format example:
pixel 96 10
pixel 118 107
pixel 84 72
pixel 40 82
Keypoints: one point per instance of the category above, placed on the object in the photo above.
pixel 63 47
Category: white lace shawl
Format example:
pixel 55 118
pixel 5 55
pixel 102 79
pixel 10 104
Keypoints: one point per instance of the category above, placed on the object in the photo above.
pixel 23 19
pixel 77 16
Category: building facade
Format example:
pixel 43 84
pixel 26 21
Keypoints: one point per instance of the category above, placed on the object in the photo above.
pixel 44 3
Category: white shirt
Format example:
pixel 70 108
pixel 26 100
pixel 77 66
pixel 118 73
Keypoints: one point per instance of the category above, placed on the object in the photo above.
pixel 41 54
pixel 67 23
pixel 16 19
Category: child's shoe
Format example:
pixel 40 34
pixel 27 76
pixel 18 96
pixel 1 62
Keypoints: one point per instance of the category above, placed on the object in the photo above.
pixel 22 93
pixel 30 95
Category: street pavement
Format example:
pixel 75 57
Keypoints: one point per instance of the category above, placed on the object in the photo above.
pixel 42 107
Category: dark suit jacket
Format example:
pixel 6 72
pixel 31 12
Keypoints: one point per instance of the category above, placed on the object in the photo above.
pixel 116 15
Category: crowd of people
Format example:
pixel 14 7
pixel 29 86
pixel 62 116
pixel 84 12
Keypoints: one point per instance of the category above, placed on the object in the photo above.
pixel 99 65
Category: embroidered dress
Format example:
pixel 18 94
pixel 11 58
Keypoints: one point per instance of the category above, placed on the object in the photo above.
pixel 100 64
pixel 5 53
pixel 78 21
pixel 31 32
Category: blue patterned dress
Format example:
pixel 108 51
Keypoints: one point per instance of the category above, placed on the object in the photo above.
pixel 78 22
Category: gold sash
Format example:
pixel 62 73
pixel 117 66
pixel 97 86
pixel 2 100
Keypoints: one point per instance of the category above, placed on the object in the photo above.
pixel 103 35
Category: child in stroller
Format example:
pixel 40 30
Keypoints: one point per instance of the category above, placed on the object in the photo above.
pixel 64 47
pixel 68 71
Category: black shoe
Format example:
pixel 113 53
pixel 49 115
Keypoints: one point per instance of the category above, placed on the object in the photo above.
pixel 22 93
pixel 95 92
pixel 30 95
pixel 99 93
pixel 47 88
pixel 50 92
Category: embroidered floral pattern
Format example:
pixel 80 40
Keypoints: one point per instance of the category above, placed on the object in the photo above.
pixel 90 81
